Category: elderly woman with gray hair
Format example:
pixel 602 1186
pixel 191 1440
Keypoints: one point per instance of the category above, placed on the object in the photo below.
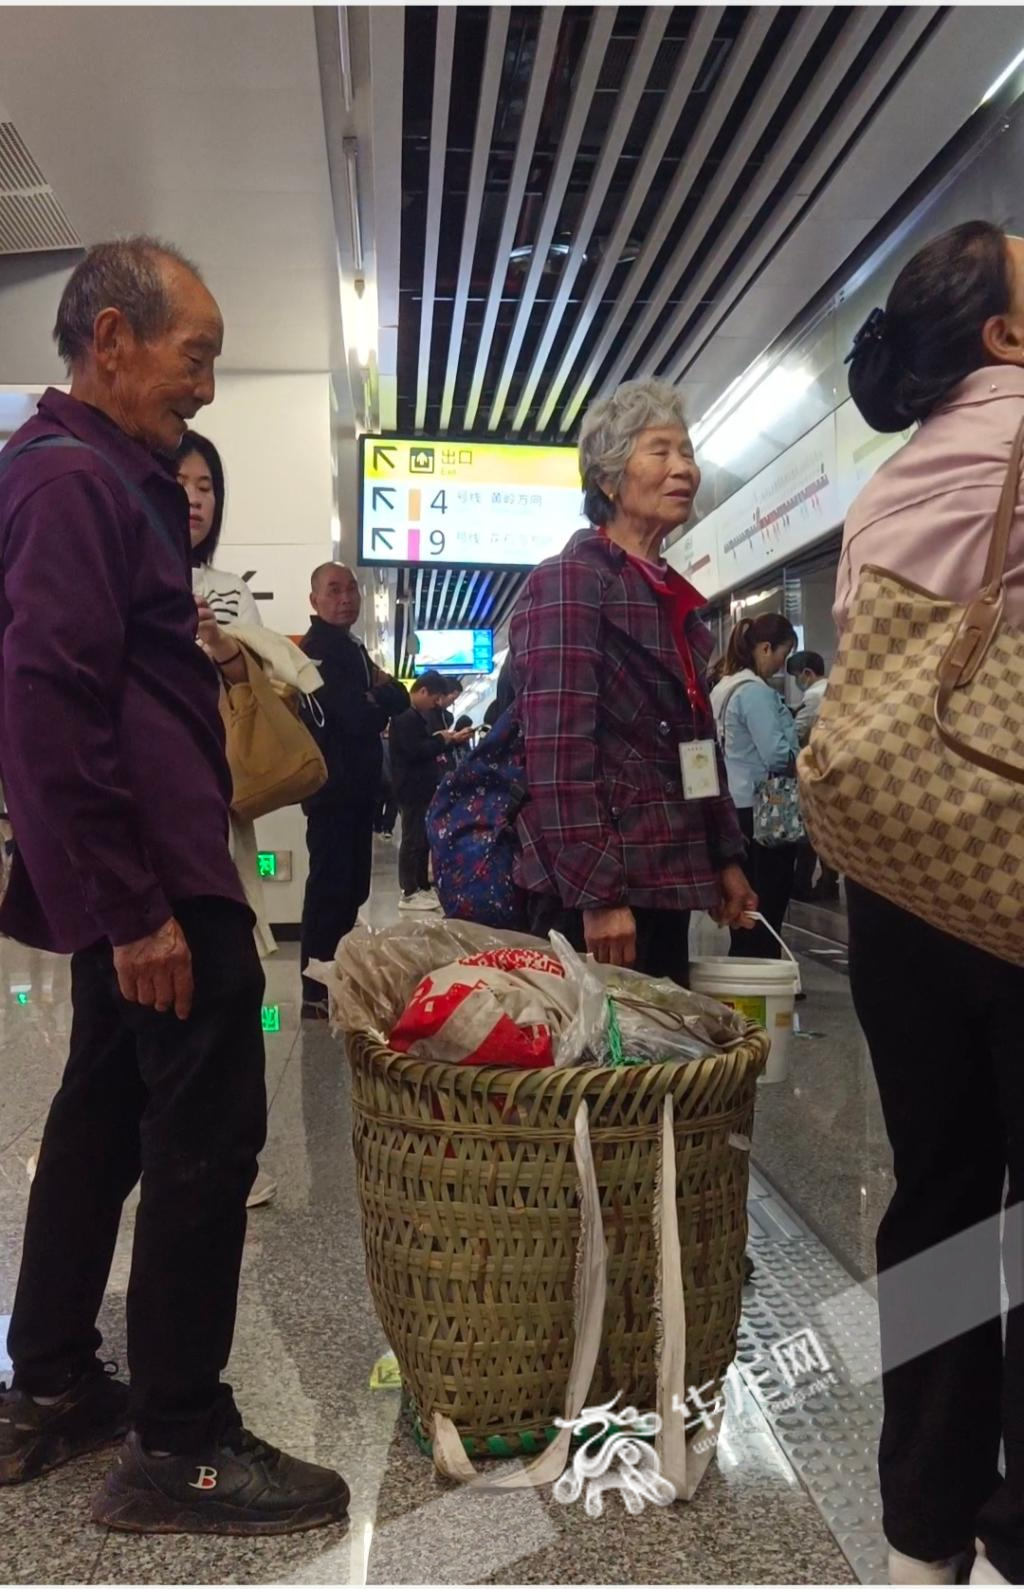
pixel 629 826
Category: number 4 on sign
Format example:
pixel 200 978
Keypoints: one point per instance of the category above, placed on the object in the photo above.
pixel 440 503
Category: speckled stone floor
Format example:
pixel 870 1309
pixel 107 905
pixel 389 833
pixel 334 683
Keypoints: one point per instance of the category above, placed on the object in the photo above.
pixel 308 1338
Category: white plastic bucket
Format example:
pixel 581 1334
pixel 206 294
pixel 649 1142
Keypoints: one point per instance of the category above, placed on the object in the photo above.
pixel 762 990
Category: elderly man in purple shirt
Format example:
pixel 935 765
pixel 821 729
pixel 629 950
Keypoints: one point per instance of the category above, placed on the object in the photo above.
pixel 112 761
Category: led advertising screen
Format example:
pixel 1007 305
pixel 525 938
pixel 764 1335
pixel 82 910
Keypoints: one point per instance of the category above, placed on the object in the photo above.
pixel 469 503
pixel 455 651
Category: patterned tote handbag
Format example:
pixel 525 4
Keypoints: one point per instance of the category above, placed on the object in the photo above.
pixel 777 817
pixel 913 783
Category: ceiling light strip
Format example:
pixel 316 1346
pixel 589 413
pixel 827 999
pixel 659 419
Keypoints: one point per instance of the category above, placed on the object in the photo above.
pixel 771 94
pixel 641 62
pixel 482 596
pixel 494 59
pixel 856 110
pixel 507 599
pixel 387 65
pixel 691 61
pixel 470 580
pixel 723 100
pixel 540 76
pixel 596 48
pixel 444 53
pixel 442 597
pixel 345 57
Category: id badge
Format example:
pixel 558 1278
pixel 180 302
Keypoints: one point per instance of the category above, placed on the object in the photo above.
pixel 699 763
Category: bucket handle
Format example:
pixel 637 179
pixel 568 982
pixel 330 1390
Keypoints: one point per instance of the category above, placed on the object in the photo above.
pixel 787 951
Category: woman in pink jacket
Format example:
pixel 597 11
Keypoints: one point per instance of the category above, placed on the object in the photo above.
pixel 942 1018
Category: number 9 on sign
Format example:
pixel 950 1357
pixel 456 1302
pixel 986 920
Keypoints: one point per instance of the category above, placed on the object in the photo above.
pixel 437 543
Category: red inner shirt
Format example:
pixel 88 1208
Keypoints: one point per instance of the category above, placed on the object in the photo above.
pixel 681 599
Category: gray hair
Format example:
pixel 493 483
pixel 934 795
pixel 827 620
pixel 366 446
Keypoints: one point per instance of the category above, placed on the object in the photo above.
pixel 608 435
pixel 125 275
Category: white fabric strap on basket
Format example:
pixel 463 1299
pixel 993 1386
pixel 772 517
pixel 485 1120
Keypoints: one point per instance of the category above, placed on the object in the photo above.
pixel 679 1465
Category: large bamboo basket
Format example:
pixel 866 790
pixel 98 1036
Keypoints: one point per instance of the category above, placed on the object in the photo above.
pixel 469 1198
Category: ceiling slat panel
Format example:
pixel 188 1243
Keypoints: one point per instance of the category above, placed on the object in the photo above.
pixel 387 61
pixel 855 108
pixel 470 580
pixel 722 101
pixel 582 101
pixel 551 22
pixel 497 33
pixel 686 74
pixel 640 65
pixel 771 94
pixel 443 59
pixel 651 162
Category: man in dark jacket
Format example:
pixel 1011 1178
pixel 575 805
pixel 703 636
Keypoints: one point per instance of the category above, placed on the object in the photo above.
pixel 116 781
pixel 418 749
pixel 346 718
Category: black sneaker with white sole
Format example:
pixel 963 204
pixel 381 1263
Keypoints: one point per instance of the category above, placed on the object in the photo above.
pixel 237 1485
pixel 35 1438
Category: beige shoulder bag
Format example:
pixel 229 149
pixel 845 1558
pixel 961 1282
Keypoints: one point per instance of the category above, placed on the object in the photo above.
pixel 913 782
pixel 273 757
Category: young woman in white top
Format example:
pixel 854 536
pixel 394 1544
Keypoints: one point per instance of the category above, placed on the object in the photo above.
pixel 201 473
pixel 230 600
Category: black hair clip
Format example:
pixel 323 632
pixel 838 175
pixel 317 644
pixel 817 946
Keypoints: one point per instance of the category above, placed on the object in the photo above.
pixel 872 330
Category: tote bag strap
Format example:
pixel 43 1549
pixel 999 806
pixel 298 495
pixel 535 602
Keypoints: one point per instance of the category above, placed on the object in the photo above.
pixel 980 625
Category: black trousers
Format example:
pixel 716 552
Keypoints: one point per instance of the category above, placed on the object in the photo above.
pixel 340 843
pixel 943 1024
pixel 662 936
pixel 807 861
pixel 414 850
pixel 387 811
pixel 770 875
pixel 183 1104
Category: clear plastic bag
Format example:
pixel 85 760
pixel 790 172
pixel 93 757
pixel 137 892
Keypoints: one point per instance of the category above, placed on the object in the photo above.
pixel 376 972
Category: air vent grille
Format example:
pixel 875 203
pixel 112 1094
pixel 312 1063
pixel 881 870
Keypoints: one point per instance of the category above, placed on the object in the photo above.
pixel 31 218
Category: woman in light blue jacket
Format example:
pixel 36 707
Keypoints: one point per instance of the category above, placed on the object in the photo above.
pixel 758 735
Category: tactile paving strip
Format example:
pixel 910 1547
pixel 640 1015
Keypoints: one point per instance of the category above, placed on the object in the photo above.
pixel 827 1431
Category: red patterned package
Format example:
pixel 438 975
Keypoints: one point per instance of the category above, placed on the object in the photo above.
pixel 500 1007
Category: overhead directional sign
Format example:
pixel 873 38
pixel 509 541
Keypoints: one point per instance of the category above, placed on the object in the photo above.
pixel 488 504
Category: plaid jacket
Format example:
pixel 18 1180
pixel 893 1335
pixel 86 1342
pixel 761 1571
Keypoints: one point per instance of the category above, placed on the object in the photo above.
pixel 603 705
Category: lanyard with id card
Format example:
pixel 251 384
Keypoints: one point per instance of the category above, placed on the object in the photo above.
pixel 698 759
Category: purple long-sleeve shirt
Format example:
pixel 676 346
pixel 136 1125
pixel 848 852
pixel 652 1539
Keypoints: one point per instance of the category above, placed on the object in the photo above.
pixel 111 744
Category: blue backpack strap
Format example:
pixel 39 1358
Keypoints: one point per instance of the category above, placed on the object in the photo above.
pixel 38 443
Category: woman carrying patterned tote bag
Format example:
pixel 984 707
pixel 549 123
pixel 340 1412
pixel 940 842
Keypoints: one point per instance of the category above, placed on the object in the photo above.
pixel 924 731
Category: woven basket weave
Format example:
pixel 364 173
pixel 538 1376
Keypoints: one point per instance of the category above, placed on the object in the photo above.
pixel 469 1199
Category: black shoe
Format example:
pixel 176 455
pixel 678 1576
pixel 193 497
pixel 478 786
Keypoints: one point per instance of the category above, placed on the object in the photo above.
pixel 236 1485
pixel 35 1438
pixel 315 1010
pixel 748 1269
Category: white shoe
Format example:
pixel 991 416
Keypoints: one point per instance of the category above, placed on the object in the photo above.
pixel 418 902
pixel 430 894
pixel 983 1570
pixel 264 1191
pixel 907 1569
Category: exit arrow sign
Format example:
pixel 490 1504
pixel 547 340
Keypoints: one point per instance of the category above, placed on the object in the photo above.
pixel 384 496
pixel 383 456
pixel 384 536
